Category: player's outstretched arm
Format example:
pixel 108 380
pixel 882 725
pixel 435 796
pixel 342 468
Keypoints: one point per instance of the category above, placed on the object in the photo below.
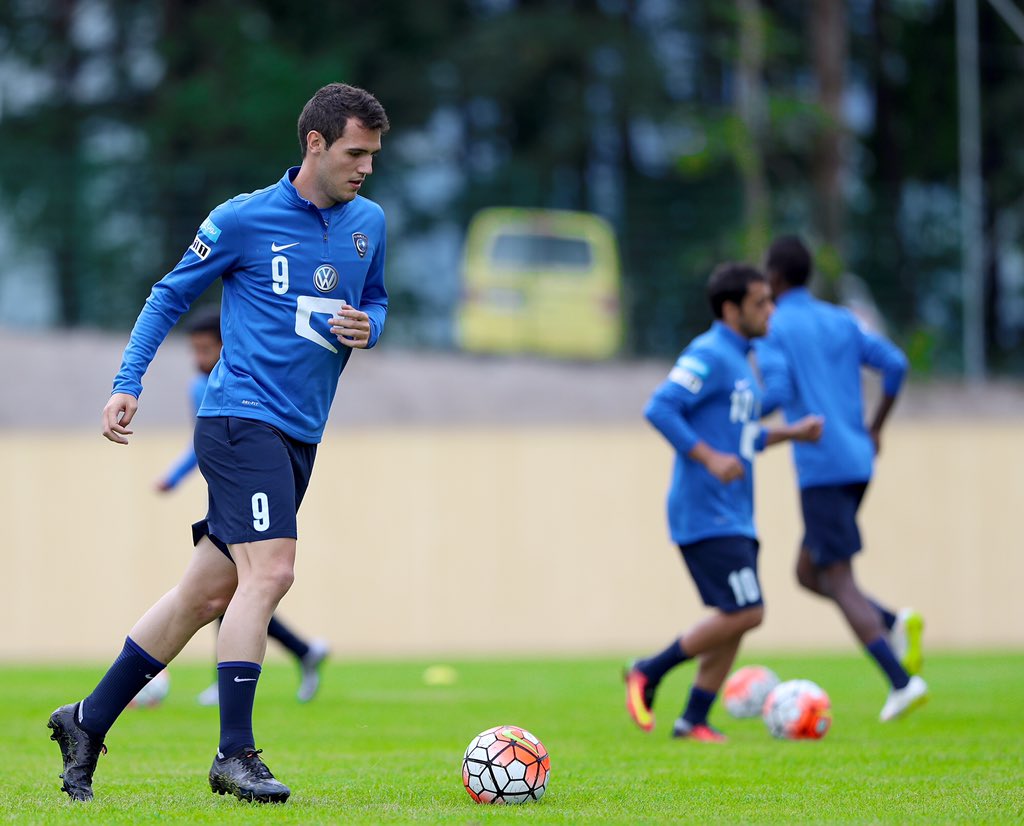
pixel 117 415
pixel 807 429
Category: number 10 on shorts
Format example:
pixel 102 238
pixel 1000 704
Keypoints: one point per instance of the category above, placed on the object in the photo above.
pixel 744 586
pixel 260 511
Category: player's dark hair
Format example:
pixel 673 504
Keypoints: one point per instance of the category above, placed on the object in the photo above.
pixel 328 111
pixel 206 320
pixel 730 282
pixel 789 257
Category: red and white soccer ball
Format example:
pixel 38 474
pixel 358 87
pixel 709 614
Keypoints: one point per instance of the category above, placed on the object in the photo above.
pixel 505 764
pixel 747 688
pixel 797 710
pixel 153 692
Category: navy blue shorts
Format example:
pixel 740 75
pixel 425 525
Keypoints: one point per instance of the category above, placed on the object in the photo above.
pixel 830 521
pixel 725 571
pixel 256 477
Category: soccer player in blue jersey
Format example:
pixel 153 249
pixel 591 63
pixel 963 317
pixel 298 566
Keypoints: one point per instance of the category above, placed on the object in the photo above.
pixel 811 361
pixel 302 268
pixel 709 410
pixel 206 343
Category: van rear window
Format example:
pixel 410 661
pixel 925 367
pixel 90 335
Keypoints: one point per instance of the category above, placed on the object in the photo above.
pixel 530 252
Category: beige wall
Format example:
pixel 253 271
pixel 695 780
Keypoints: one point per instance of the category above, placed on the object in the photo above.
pixel 546 539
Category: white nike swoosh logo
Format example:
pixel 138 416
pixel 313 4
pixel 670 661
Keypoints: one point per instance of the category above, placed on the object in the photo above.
pixel 149 676
pixel 245 679
pixel 276 248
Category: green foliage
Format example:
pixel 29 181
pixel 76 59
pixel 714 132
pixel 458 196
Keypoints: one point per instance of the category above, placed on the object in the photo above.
pixel 124 123
pixel 378 745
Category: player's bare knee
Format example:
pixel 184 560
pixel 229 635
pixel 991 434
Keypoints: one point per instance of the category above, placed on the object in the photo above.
pixel 278 578
pixel 807 578
pixel 215 607
pixel 205 606
pixel 749 618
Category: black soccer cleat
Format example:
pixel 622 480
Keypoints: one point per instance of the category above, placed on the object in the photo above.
pixel 80 751
pixel 247 777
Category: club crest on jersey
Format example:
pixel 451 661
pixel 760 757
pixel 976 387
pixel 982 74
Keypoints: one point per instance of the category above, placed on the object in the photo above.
pixel 325 278
pixel 362 243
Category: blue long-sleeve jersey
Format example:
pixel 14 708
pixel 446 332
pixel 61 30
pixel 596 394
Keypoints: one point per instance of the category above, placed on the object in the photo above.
pixel 810 362
pixel 188 462
pixel 711 395
pixel 287 267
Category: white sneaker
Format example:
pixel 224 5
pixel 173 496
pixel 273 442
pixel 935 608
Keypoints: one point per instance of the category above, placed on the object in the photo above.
pixel 209 696
pixel 904 700
pixel 906 640
pixel 318 651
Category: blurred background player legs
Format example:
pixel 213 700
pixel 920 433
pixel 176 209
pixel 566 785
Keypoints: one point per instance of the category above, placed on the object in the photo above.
pixel 206 343
pixel 713 642
pixel 310 655
pixel 709 410
pixel 905 628
pixel 812 360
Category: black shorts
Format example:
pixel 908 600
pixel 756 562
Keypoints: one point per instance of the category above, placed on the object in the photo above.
pixel 256 477
pixel 830 521
pixel 724 569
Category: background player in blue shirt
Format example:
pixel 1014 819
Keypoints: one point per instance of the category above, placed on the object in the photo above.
pixel 709 410
pixel 205 341
pixel 302 268
pixel 811 360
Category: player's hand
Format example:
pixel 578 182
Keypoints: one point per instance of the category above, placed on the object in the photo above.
pixel 162 486
pixel 351 327
pixel 725 467
pixel 808 429
pixel 117 415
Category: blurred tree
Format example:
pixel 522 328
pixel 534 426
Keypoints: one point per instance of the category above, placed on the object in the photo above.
pixel 752 118
pixel 70 99
pixel 829 47
pixel 693 127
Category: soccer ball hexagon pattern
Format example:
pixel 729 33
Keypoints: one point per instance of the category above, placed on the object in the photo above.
pixel 797 710
pixel 505 764
pixel 747 688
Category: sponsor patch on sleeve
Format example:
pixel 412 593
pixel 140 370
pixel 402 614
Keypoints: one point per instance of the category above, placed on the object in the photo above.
pixel 210 230
pixel 690 373
pixel 199 248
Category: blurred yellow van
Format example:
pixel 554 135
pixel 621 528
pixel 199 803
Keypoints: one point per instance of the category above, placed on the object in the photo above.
pixel 540 281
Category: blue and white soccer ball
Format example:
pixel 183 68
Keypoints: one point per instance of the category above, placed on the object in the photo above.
pixel 153 693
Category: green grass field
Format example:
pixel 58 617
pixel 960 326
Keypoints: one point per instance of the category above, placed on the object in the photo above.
pixel 379 745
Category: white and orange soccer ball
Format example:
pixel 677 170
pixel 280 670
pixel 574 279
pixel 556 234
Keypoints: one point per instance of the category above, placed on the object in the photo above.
pixel 747 688
pixel 153 693
pixel 505 764
pixel 797 710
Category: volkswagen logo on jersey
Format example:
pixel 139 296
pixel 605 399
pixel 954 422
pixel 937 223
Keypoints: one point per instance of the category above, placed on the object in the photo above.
pixel 362 243
pixel 325 278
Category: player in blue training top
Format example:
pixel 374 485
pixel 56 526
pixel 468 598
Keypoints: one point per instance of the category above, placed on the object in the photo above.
pixel 709 410
pixel 205 341
pixel 812 360
pixel 302 266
